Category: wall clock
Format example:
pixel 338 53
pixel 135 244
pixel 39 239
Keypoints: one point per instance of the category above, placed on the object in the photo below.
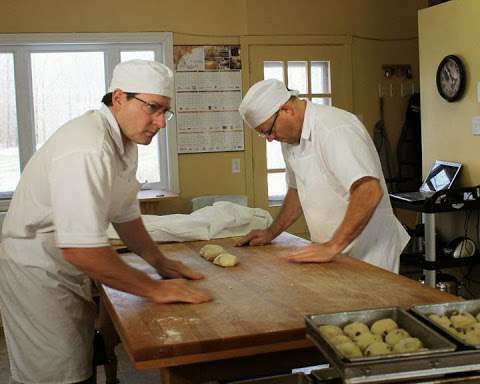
pixel 451 78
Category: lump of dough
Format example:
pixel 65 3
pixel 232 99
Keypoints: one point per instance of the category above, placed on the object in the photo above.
pixel 226 260
pixel 463 320
pixel 211 251
pixel 393 337
pixel 349 349
pixel 410 344
pixel 355 329
pixel 441 320
pixel 330 331
pixel 472 337
pixel 378 348
pixel 365 339
pixel 383 326
pixel 478 316
pixel 339 339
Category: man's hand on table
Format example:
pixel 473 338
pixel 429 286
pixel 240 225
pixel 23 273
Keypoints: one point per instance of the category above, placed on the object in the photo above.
pixel 314 253
pixel 176 270
pixel 256 237
pixel 177 291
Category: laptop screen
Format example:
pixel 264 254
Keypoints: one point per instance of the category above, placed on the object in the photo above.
pixel 441 176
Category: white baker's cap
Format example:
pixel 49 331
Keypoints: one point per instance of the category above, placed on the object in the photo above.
pixel 262 100
pixel 142 76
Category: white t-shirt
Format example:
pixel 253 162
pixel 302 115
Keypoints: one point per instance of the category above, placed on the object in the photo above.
pixel 334 151
pixel 79 181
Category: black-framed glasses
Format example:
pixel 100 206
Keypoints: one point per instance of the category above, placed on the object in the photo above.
pixel 270 131
pixel 156 109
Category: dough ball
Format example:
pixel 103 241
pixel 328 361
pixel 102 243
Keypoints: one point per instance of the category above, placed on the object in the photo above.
pixel 383 326
pixel 463 320
pixel 478 316
pixel 441 320
pixel 339 339
pixel 211 251
pixel 330 331
pixel 472 337
pixel 365 339
pixel 410 344
pixel 349 349
pixel 226 260
pixel 474 327
pixel 378 348
pixel 454 332
pixel 393 337
pixel 355 329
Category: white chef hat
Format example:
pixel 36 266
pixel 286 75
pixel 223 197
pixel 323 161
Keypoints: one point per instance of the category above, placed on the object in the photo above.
pixel 262 100
pixel 142 76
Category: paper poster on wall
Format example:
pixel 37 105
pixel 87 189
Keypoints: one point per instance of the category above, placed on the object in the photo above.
pixel 208 84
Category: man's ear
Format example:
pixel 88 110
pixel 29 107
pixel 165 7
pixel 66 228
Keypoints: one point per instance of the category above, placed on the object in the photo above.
pixel 287 108
pixel 117 97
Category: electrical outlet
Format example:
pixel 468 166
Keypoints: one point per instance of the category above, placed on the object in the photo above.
pixel 476 125
pixel 235 165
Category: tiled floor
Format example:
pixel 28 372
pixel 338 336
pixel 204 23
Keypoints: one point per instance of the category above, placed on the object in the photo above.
pixel 126 373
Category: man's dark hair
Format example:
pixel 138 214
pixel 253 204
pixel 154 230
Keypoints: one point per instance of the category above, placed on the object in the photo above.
pixel 107 99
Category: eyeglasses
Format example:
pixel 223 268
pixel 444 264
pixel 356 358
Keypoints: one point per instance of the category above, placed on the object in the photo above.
pixel 155 109
pixel 270 131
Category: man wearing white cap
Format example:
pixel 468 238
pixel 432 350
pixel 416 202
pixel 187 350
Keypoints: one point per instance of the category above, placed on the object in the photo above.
pixel 54 235
pixel 334 176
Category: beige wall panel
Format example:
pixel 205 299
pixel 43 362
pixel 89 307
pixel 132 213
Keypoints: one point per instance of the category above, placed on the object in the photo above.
pixel 372 18
pixel 450 28
pixel 212 17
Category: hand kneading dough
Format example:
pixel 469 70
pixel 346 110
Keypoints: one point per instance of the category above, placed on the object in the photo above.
pixel 383 326
pixel 226 260
pixel 355 329
pixel 410 344
pixel 211 251
pixel 378 349
pixel 330 331
pixel 349 349
pixel 393 337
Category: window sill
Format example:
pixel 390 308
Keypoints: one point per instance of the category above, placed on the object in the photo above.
pixel 150 195
pixel 275 203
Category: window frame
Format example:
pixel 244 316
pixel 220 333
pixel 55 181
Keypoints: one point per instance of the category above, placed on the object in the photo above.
pixel 275 200
pixel 21 46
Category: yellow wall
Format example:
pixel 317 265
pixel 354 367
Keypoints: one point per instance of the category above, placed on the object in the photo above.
pixel 381 31
pixel 450 28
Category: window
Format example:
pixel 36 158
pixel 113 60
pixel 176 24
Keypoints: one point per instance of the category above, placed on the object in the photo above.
pixel 313 81
pixel 48 79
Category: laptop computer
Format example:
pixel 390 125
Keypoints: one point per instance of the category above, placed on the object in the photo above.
pixel 441 176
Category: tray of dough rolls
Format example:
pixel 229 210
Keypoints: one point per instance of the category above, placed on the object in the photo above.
pixel 458 320
pixel 385 345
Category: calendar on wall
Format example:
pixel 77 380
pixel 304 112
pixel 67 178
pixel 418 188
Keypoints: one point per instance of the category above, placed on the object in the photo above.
pixel 208 89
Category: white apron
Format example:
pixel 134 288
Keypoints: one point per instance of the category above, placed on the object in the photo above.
pixel 324 206
pixel 35 293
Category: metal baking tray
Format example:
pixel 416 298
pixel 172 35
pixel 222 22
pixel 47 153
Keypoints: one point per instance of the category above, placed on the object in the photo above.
pixel 430 339
pixel 423 311
pixel 440 359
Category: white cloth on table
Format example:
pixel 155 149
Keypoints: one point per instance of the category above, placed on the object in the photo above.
pixel 223 219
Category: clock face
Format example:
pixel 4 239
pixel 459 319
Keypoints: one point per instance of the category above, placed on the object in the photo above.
pixel 451 78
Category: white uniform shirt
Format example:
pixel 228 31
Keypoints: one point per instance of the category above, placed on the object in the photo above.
pixel 78 182
pixel 334 151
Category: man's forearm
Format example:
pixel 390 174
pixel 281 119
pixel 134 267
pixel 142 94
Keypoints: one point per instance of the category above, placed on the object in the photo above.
pixel 104 265
pixel 291 210
pixel 365 196
pixel 137 239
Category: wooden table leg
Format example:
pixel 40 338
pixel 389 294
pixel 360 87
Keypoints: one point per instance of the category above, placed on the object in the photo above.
pixel 111 339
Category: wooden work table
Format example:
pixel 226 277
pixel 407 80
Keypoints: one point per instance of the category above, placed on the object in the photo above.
pixel 257 311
